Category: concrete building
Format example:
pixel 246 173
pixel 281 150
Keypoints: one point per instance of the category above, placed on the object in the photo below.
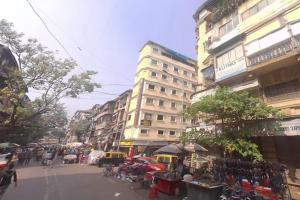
pixel 104 124
pixel 253 45
pixel 164 82
pixel 119 117
pixel 110 121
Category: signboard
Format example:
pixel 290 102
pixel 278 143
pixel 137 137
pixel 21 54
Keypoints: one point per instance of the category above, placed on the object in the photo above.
pixel 290 127
pixel 231 69
pixel 126 143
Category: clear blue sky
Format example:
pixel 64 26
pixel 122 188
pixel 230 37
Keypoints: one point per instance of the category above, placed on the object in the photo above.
pixel 106 35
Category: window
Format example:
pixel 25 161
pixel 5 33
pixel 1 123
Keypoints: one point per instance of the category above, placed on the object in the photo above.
pixel 183 120
pixel 256 8
pixel 184 95
pixel 151 87
pixel 155 49
pixel 172 133
pixel 176 69
pixel 194 87
pixel 230 25
pixel 129 117
pixel 185 83
pixel 149 101
pixel 282 88
pixel 154 62
pixel 209 26
pixel 174 92
pixel 164 77
pixel 165 66
pixel 153 74
pixel 173 105
pixel 229 56
pixel 160 132
pixel 193 75
pixel 161 103
pixel 185 73
pixel 148 116
pixel 184 106
pixel 144 131
pixel 173 119
pixel 209 74
pixel 163 89
pixel 160 117
pixel 175 80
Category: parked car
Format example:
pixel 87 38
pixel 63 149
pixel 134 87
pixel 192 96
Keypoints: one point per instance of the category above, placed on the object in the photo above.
pixel 71 157
pixel 114 158
pixel 150 164
pixel 94 157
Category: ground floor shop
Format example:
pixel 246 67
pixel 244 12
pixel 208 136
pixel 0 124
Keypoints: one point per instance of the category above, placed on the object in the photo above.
pixel 285 150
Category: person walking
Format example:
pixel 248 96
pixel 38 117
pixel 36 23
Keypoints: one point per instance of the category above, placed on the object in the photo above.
pixel 28 157
pixel 7 175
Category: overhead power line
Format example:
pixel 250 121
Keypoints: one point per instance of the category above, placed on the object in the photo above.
pixel 48 29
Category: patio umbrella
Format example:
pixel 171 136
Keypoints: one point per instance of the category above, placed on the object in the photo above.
pixel 194 147
pixel 8 145
pixel 171 148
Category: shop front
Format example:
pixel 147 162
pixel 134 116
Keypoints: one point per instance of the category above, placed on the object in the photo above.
pixel 284 147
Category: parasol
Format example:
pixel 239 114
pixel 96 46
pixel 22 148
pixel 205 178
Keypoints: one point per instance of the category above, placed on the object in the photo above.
pixel 171 148
pixel 194 147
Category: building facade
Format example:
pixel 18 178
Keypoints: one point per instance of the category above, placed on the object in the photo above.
pixel 253 45
pixel 110 121
pixel 164 82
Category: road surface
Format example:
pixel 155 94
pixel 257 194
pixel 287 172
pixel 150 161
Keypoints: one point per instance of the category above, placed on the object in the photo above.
pixel 70 182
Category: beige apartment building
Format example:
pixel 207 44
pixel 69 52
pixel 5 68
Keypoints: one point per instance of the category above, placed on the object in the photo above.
pixel 164 83
pixel 253 45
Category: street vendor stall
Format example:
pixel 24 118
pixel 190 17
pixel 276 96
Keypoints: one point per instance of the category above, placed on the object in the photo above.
pixel 165 182
pixel 235 179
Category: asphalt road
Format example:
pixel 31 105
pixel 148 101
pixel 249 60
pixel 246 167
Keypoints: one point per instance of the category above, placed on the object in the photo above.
pixel 70 182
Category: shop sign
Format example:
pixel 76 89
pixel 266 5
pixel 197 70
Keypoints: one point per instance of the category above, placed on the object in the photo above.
pixel 145 122
pixel 231 69
pixel 290 127
pixel 126 143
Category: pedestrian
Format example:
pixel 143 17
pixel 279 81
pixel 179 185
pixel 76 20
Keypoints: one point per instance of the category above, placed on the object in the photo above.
pixel 49 158
pixel 28 157
pixel 21 157
pixel 7 175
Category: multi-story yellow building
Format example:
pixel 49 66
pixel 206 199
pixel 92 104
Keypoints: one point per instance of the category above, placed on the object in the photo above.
pixel 163 84
pixel 254 45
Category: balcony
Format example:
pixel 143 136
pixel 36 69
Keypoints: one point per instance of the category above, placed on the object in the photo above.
pixel 284 97
pixel 270 53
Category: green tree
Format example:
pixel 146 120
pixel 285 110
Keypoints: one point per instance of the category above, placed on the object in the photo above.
pixel 237 116
pixel 42 72
pixel 80 128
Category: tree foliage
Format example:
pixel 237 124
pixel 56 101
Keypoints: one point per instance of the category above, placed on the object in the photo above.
pixel 42 72
pixel 80 128
pixel 237 116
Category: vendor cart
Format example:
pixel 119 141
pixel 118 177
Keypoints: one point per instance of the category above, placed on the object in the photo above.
pixel 199 191
pixel 165 185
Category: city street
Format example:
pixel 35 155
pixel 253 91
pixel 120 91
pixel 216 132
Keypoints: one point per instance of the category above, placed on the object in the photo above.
pixel 70 182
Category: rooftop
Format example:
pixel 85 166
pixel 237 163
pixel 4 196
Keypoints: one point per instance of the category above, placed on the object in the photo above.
pixel 173 54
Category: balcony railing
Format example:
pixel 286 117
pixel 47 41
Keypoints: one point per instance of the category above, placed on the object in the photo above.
pixel 270 53
pixel 284 97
